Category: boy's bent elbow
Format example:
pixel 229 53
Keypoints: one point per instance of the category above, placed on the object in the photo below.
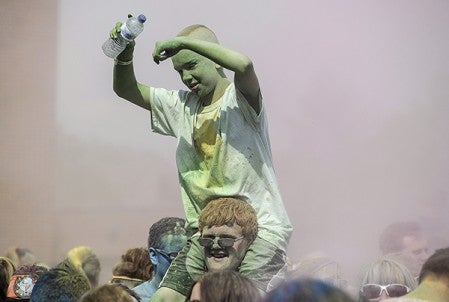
pixel 246 65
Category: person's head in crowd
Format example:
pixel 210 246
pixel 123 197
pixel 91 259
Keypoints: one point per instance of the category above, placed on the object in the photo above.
pixel 307 290
pixel 23 280
pixel 386 278
pixel 20 256
pixel 319 266
pixel 85 258
pixel 110 292
pixel 224 286
pixel 7 268
pixel 63 283
pixel 433 279
pixel 406 243
pixel 166 237
pixel 133 269
pixel 228 226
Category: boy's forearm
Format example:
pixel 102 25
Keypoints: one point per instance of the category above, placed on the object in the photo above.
pixel 227 58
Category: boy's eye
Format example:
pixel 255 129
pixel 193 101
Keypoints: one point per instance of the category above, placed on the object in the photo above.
pixel 190 66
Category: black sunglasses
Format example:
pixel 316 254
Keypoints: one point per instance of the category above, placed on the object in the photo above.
pixel 222 241
pixel 169 256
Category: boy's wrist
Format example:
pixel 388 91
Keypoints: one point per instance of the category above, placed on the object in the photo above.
pixel 127 54
pixel 118 62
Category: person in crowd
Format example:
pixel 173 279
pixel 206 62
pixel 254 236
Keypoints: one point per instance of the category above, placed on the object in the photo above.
pixel 405 242
pixel 433 280
pixel 227 228
pixel 227 231
pixel 223 146
pixel 110 292
pixel 22 282
pixel 307 290
pixel 319 266
pixel 7 268
pixel 385 278
pixel 20 256
pixel 166 238
pixel 133 269
pixel 84 258
pixel 65 282
pixel 224 286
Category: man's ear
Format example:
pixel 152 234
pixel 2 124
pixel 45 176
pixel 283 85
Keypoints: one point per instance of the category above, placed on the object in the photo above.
pixel 153 256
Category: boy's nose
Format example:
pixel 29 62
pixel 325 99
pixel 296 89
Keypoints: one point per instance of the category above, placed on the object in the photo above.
pixel 186 76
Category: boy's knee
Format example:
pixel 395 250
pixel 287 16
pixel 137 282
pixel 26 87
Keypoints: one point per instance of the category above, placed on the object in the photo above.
pixel 165 294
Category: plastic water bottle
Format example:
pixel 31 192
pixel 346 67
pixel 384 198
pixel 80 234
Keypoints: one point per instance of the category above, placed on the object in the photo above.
pixel 128 32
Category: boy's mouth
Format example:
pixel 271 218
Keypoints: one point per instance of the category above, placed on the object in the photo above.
pixel 194 87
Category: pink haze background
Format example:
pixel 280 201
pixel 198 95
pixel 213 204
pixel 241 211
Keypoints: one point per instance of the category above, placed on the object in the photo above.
pixel 357 97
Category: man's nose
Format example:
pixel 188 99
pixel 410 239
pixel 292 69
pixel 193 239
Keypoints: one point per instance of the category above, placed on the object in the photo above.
pixel 215 245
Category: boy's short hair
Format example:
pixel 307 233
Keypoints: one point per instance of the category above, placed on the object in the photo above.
pixel 164 226
pixel 199 31
pixel 227 211
pixel 437 264
pixel 63 283
pixel 232 285
pixel 110 292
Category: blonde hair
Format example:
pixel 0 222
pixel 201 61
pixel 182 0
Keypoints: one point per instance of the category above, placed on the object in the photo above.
pixel 387 271
pixel 227 211
pixel 85 259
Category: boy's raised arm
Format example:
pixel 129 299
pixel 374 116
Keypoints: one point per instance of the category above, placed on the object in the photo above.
pixel 125 84
pixel 245 77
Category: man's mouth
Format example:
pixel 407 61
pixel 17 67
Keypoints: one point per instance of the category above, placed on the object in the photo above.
pixel 218 254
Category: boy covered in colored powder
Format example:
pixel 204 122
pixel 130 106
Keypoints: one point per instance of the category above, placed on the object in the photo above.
pixel 223 147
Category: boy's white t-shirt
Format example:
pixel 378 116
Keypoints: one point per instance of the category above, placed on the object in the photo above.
pixel 222 150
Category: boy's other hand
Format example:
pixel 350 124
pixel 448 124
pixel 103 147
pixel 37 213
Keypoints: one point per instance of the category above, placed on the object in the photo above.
pixel 166 49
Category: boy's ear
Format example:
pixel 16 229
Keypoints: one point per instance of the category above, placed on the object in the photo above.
pixel 153 256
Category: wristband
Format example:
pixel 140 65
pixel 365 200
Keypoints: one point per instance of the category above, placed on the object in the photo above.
pixel 118 62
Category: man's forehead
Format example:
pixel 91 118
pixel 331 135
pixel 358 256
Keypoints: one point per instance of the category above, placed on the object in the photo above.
pixel 232 229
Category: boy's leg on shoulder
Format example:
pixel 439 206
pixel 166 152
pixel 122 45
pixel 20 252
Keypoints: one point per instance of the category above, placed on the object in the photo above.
pixel 183 271
pixel 165 294
pixel 265 264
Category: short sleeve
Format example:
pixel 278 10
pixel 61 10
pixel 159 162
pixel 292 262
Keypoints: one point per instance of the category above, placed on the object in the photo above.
pixel 167 107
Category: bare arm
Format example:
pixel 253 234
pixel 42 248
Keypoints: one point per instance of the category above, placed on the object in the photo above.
pixel 125 84
pixel 245 78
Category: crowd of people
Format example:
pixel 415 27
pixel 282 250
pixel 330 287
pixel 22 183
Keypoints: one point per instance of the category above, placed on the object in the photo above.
pixel 228 226
pixel 232 243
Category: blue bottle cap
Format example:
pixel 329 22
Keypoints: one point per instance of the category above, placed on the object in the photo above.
pixel 142 18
